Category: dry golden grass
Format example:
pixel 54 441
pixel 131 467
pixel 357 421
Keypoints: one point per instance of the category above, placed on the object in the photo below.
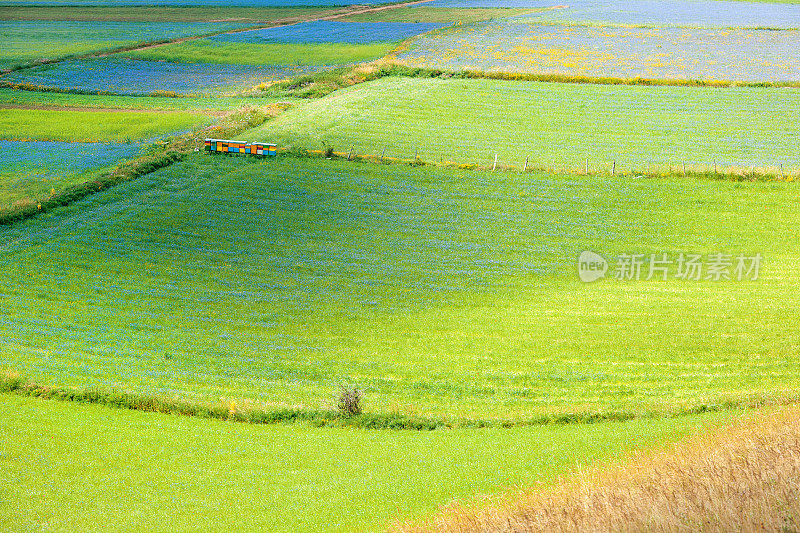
pixel 745 478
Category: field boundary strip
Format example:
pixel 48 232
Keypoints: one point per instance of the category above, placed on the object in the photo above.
pixel 707 172
pixel 592 80
pixel 319 85
pixel 243 411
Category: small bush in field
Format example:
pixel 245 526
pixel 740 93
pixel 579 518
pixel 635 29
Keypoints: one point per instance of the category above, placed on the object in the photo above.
pixel 349 401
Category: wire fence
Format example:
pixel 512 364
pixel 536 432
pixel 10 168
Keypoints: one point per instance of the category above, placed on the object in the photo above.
pixel 582 166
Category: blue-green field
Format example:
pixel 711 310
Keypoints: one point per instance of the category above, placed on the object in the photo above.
pixel 556 126
pixel 441 292
pixel 26 41
pixel 424 237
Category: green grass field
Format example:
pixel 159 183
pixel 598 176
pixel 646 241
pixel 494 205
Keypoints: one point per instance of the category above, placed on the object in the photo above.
pixel 443 15
pixel 10 98
pixel 236 283
pixel 34 182
pixel 93 126
pixel 26 41
pixel 555 125
pixel 161 13
pixel 143 471
pixel 444 293
pixel 205 51
pixel 21 46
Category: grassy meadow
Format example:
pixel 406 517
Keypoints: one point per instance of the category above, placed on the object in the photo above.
pixel 11 98
pixel 444 293
pixel 37 40
pixel 93 126
pixel 557 126
pixel 164 13
pixel 141 271
pixel 443 15
pixel 306 54
pixel 147 470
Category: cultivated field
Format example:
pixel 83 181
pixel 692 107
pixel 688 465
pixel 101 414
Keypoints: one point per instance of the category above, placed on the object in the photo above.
pixel 32 170
pixel 738 14
pixel 15 99
pixel 318 43
pixel 440 15
pixel 145 469
pixel 120 75
pixel 93 125
pixel 47 150
pixel 201 12
pixel 273 283
pixel 232 52
pixel 413 249
pixel 556 126
pixel 674 53
pixel 26 41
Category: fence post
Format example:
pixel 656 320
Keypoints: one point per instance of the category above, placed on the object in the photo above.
pixel 684 169
pixel 350 154
pixel 495 163
pixel 614 167
pixel 525 168
pixel 383 153
pixel 416 153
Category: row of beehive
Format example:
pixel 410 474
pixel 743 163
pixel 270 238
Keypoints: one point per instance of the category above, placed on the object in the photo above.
pixel 240 147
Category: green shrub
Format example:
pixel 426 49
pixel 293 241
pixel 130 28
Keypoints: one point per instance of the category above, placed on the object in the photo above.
pixel 349 400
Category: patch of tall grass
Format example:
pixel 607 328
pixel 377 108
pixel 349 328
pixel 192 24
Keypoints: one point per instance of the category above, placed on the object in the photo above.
pixel 738 479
